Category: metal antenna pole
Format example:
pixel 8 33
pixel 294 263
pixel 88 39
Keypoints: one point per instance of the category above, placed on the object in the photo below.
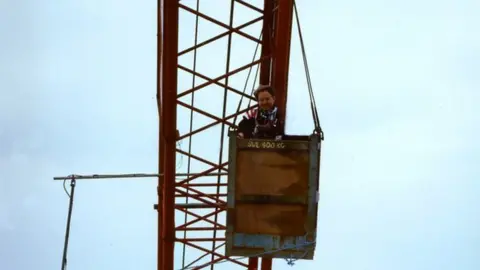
pixel 129 175
pixel 67 233
pixel 75 177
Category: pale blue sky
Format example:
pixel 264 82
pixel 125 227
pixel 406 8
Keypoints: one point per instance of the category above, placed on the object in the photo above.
pixel 396 85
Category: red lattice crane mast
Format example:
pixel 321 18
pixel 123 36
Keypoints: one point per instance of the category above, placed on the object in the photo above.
pixel 276 18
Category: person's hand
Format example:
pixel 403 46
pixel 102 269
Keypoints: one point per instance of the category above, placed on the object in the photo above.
pixel 240 135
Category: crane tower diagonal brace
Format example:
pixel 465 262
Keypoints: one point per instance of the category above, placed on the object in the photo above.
pixel 197 203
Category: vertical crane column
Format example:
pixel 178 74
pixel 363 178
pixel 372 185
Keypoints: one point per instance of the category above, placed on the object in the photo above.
pixel 265 79
pixel 282 32
pixel 281 55
pixel 161 142
pixel 168 104
pixel 267 40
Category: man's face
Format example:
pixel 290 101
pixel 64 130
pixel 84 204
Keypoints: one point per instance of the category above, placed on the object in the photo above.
pixel 265 100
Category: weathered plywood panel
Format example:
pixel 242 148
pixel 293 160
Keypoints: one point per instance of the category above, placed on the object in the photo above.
pixel 272 197
pixel 283 220
pixel 272 173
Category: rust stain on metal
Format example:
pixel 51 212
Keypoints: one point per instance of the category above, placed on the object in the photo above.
pixel 271 173
pixel 297 188
pixel 288 222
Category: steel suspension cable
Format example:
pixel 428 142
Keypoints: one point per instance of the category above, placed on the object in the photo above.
pixel 248 78
pixel 313 104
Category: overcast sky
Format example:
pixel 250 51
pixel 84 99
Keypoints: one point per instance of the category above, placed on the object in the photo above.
pixel 396 83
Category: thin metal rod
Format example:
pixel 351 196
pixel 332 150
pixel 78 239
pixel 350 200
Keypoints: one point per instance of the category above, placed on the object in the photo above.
pixel 131 175
pixel 206 42
pixel 201 257
pixel 107 176
pixel 192 103
pixel 196 205
pixel 67 232
pixel 224 114
pixel 228 27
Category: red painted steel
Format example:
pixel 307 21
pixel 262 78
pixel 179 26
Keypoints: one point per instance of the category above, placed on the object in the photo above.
pixel 283 34
pixel 266 264
pixel 280 67
pixel 252 263
pixel 275 44
pixel 267 40
pixel 169 131
pixel 160 135
pixel 266 66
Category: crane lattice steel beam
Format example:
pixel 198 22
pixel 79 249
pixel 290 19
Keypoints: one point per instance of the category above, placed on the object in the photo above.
pixel 205 198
